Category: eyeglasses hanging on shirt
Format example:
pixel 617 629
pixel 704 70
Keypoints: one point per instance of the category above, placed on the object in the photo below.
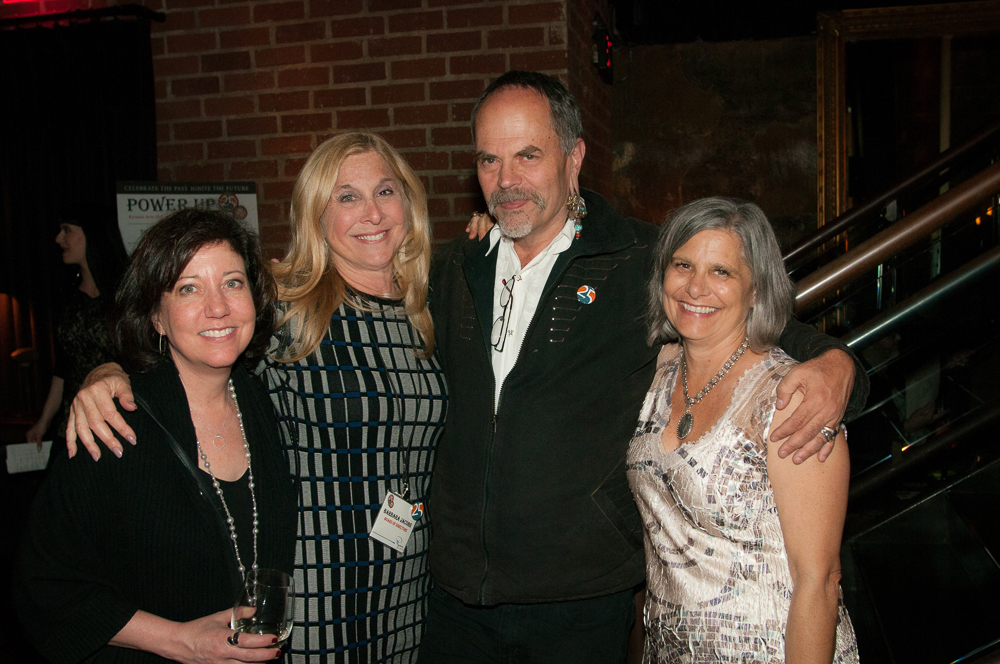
pixel 499 334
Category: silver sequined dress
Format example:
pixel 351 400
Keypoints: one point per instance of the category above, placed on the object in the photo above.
pixel 718 585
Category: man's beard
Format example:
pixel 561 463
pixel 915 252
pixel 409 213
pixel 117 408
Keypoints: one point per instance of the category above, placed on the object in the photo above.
pixel 515 224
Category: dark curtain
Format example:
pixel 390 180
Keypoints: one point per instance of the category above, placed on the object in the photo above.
pixel 78 114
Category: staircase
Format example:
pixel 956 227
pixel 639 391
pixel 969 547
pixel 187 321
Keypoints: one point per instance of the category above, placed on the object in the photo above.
pixel 911 281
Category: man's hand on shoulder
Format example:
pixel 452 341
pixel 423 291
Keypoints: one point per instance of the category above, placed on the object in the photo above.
pixel 93 409
pixel 825 383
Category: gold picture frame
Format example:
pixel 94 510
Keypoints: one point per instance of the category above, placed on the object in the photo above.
pixel 834 30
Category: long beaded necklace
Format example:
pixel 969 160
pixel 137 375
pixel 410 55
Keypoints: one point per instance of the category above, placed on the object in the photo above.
pixel 686 422
pixel 218 489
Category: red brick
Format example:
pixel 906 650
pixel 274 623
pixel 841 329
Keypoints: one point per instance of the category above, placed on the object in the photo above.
pixel 258 80
pixel 539 60
pixel 162 132
pixel 230 149
pixel 189 4
pixel 405 138
pixel 557 37
pixel 187 87
pixel 448 230
pixel 465 205
pixel 334 51
pixel 416 21
pixel 224 16
pixel 256 126
pixel 424 68
pixel 519 38
pixel 232 61
pixel 547 12
pixel 279 11
pixel 228 105
pixel 474 18
pixel 455 184
pixel 293 167
pixel 369 71
pixel 438 207
pixel 165 174
pixel 160 89
pixel 191 42
pixel 420 115
pixel 392 5
pixel 452 3
pixel 461 112
pixel 306 76
pixel 390 94
pixel 428 161
pixel 286 145
pixel 338 97
pixel 357 27
pixel 492 63
pixel 176 21
pixel 277 191
pixel 454 41
pixel 279 57
pixel 451 136
pixel 194 130
pixel 253 170
pixel 335 7
pixel 178 110
pixel 393 46
pixel 158 46
pixel 300 32
pixel 468 89
pixel 180 152
pixel 362 119
pixel 184 65
pixel 199 172
pixel 276 237
pixel 245 37
pixel 462 160
pixel 298 124
pixel 283 101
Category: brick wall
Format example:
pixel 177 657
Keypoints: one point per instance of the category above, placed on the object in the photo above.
pixel 246 89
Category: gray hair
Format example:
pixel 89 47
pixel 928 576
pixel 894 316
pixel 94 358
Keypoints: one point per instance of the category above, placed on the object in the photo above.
pixel 563 108
pixel 774 293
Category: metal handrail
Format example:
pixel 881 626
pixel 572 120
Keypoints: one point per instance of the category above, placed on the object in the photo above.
pixel 904 233
pixel 881 325
pixel 137 11
pixel 852 216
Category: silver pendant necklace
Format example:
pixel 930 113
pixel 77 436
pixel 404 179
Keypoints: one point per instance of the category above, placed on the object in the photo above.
pixel 218 489
pixel 686 422
pixel 217 437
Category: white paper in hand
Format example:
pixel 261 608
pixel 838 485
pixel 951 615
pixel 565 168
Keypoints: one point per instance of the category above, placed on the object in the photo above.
pixel 26 456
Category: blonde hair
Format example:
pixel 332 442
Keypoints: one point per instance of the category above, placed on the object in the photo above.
pixel 309 284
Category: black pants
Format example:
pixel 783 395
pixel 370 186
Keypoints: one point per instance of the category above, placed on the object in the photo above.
pixel 588 631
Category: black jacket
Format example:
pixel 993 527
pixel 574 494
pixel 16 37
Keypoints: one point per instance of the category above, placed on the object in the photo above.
pixel 107 539
pixel 533 505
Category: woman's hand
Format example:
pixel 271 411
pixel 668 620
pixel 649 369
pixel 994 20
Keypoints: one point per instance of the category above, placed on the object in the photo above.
pixel 93 408
pixel 479 225
pixel 201 641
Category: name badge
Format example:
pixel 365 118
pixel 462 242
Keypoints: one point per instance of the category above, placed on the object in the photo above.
pixel 395 521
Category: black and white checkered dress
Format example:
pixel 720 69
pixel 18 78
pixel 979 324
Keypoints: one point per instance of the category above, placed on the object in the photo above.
pixel 354 413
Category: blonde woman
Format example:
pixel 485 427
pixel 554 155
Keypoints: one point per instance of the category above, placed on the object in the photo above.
pixel 360 396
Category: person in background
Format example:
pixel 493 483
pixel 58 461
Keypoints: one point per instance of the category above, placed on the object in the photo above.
pixel 742 546
pixel 140 559
pixel 88 238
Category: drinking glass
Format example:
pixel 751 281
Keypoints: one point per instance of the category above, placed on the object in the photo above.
pixel 265 604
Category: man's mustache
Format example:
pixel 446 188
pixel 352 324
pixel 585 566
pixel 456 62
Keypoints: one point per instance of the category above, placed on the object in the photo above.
pixel 502 196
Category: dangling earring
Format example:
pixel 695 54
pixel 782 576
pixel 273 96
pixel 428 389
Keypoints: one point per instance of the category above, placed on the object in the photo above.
pixel 161 344
pixel 577 208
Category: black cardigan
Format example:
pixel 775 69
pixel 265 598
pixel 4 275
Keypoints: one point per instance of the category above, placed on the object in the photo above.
pixel 107 539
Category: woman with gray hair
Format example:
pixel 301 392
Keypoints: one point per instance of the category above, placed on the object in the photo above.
pixel 742 547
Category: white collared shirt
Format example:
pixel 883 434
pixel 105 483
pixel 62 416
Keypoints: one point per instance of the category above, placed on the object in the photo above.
pixel 525 285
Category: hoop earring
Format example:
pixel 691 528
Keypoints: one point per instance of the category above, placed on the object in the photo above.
pixel 161 345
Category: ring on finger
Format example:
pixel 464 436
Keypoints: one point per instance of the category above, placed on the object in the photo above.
pixel 234 640
pixel 829 433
